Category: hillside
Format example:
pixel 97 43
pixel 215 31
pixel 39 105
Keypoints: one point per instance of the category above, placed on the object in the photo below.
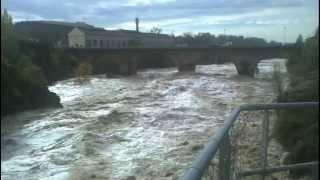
pixel 49 31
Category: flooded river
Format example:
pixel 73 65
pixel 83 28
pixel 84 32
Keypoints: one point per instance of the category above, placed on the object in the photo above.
pixel 148 126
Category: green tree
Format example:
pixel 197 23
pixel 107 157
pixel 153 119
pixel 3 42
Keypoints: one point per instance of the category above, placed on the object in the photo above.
pixel 9 47
pixel 23 83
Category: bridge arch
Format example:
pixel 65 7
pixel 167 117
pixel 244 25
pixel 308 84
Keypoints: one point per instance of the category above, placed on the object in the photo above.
pixel 154 60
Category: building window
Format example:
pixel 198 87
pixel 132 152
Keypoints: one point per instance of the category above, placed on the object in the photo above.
pixel 101 44
pixel 94 43
pixel 119 44
pixel 88 42
pixel 124 44
pixel 107 43
pixel 112 43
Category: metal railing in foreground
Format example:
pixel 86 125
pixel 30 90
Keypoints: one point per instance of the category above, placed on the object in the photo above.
pixel 218 153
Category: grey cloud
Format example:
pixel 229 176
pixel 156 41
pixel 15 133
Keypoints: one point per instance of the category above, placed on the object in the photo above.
pixel 111 13
pixel 69 10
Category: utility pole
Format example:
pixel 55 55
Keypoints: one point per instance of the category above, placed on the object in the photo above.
pixel 137 24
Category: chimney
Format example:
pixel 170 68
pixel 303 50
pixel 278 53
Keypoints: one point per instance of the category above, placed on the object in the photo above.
pixel 137 24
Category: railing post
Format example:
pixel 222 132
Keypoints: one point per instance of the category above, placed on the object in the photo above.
pixel 315 172
pixel 211 171
pixel 265 141
pixel 224 171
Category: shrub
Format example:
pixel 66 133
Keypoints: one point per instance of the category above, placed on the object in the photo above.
pixel 82 71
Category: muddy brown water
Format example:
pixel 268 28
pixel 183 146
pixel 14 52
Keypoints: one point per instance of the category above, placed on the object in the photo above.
pixel 148 126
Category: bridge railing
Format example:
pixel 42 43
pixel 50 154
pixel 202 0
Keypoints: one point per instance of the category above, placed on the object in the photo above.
pixel 240 148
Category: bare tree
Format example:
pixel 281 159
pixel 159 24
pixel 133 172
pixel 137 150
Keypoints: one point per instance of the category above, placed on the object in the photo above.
pixel 156 30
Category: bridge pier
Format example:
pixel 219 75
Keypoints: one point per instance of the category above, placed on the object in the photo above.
pixel 187 61
pixel 246 67
pixel 132 67
pixel 128 68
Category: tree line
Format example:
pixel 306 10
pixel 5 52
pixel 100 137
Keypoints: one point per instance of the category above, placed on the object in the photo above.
pixel 208 39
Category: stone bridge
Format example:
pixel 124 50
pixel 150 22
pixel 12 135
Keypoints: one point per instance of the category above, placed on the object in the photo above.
pixel 126 61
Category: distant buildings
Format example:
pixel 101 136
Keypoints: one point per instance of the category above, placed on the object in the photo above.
pixel 91 38
pixel 82 35
pixel 97 38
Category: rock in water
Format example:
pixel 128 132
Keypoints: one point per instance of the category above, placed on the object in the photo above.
pixel 184 143
pixel 44 98
pixel 197 147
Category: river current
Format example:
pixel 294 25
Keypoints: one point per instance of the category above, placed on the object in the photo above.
pixel 148 126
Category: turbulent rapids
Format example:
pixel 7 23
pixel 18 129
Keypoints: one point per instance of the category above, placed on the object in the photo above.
pixel 148 126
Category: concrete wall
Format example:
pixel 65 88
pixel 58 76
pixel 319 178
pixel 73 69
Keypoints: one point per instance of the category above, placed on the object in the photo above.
pixel 76 38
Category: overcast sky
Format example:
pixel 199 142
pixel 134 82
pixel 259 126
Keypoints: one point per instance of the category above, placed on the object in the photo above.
pixel 280 20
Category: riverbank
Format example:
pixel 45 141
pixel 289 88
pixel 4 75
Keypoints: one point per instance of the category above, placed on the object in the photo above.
pixel 19 93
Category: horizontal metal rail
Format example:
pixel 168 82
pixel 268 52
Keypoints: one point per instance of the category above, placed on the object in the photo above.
pixel 270 170
pixel 199 166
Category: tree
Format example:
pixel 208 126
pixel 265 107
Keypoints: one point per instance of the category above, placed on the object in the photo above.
pixel 9 47
pixel 23 83
pixel 6 21
pixel 299 40
pixel 299 44
pixel 156 30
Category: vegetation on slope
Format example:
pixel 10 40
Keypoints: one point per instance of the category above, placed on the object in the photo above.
pixel 23 82
pixel 298 130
